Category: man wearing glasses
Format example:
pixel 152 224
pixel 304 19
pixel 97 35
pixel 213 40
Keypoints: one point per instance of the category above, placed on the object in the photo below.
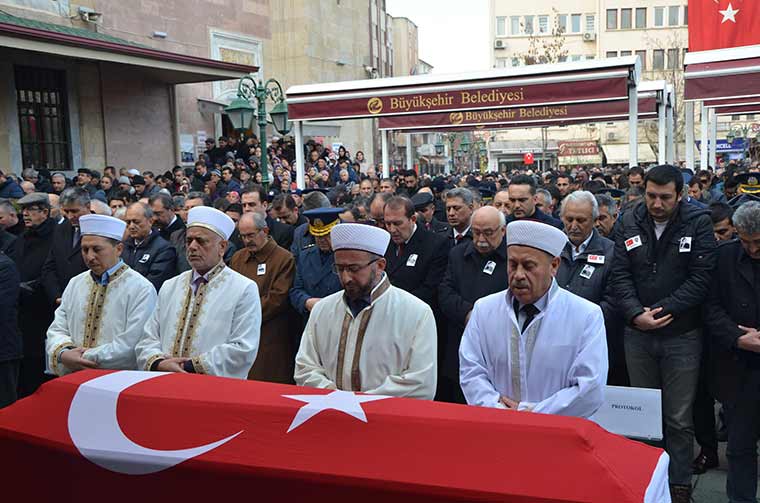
pixel 371 336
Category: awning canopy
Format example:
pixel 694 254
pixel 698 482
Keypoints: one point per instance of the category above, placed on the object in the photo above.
pixel 535 86
pixel 46 38
pixel 650 95
pixel 619 154
pixel 724 74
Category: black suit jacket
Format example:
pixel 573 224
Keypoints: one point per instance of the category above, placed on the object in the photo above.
pixel 420 266
pixel 452 241
pixel 733 301
pixel 63 262
pixel 282 233
pixel 175 226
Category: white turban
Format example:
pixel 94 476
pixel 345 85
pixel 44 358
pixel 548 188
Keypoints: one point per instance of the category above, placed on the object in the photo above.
pixel 537 235
pixel 360 237
pixel 102 225
pixel 211 219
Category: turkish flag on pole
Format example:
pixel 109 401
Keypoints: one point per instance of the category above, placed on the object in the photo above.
pixel 716 24
pixel 528 158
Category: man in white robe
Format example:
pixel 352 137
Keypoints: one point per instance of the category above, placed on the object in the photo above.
pixel 534 347
pixel 208 319
pixel 104 309
pixel 370 337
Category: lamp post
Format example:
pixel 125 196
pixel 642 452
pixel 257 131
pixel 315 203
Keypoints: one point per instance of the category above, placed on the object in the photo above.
pixel 743 132
pixel 241 113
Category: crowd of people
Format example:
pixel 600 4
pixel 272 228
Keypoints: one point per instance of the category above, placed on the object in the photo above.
pixel 523 290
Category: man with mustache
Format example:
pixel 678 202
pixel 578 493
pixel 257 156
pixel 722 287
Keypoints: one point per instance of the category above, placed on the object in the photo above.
pixel 535 346
pixel 371 336
pixel 103 310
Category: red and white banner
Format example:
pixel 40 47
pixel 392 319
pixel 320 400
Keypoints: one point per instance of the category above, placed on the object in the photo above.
pixel 717 24
pixel 119 436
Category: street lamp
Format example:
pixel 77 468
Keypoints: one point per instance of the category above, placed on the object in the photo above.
pixel 439 147
pixel 241 114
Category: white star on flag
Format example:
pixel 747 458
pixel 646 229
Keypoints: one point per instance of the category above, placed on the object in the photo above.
pixel 343 401
pixel 729 14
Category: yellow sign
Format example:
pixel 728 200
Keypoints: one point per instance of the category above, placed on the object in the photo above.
pixel 456 118
pixel 375 105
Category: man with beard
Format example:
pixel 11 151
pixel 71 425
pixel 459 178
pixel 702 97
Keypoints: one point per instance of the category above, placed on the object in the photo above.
pixel 371 336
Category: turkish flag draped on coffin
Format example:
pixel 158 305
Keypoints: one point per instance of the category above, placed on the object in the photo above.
pixel 716 24
pixel 119 436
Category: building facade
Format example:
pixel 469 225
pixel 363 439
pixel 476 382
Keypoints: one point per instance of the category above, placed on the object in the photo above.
pixel 655 31
pixel 127 84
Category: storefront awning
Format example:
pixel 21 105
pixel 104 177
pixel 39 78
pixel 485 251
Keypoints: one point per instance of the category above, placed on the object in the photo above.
pixel 28 35
pixel 535 86
pixel 723 74
pixel 619 153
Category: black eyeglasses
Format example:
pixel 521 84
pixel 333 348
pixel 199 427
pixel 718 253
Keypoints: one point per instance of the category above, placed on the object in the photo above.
pixel 351 268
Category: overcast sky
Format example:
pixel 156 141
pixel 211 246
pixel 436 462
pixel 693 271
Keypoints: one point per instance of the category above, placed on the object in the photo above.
pixel 453 34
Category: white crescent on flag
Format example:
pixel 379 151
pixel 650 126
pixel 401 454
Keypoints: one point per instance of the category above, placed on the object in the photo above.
pixel 95 431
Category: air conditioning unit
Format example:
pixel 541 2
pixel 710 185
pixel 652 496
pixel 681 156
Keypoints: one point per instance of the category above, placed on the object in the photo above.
pixel 499 44
pixel 589 36
pixel 611 136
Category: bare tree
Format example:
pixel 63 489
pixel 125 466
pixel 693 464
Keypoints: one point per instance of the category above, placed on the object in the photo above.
pixel 672 72
pixel 544 48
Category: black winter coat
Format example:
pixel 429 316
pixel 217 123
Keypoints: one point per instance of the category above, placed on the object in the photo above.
pixel 155 258
pixel 35 314
pixel 734 300
pixel 420 266
pixel 540 216
pixel 469 276
pixel 10 339
pixel 673 272
pixel 63 262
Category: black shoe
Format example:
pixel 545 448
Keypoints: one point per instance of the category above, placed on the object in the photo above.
pixel 706 460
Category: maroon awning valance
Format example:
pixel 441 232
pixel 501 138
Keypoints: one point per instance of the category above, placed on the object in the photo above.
pixel 723 74
pixel 504 118
pixel 534 86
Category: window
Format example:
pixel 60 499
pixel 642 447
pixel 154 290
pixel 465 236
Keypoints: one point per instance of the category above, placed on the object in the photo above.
pixel 750 117
pixel 736 117
pixel 590 23
pixel 673 12
pixel 625 19
pixel 543 24
pixel 562 59
pixel 501 26
pixel 562 21
pixel 611 54
pixel 575 23
pixel 612 19
pixel 42 114
pixel 641 18
pixel 659 16
pixel 658 59
pixel 528 25
pixel 515 61
pixel 501 62
pixel 685 15
pixel 626 53
pixel 514 25
pixel 643 56
pixel 673 58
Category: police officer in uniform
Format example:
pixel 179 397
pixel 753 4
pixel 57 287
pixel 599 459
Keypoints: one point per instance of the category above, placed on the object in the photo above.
pixel 424 205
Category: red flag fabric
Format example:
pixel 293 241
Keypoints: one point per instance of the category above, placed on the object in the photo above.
pixel 716 24
pixel 528 158
pixel 118 436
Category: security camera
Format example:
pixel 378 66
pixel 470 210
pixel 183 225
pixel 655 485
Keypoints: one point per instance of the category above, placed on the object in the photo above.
pixel 89 15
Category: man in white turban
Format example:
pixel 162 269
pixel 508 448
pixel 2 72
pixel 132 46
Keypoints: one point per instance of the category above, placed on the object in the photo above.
pixel 104 309
pixel 371 336
pixel 534 347
pixel 208 319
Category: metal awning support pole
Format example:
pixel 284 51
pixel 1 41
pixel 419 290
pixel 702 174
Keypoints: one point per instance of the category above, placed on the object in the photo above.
pixel 713 137
pixel 384 144
pixel 705 134
pixel 662 137
pixel 689 142
pixel 300 163
pixel 633 126
pixel 409 158
pixel 670 156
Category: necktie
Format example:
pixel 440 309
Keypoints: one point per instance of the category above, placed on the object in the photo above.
pixel 75 238
pixel 399 249
pixel 200 280
pixel 530 312
pixel 459 238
